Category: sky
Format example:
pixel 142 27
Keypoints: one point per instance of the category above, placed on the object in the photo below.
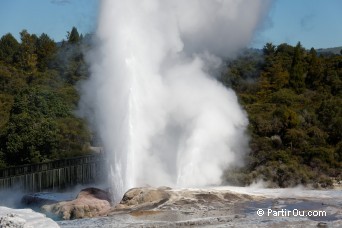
pixel 53 17
pixel 315 23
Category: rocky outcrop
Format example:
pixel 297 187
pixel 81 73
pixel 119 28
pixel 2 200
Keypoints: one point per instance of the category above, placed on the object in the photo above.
pixel 148 200
pixel 90 202
pixel 216 207
pixel 21 218
pixel 142 199
pixel 94 193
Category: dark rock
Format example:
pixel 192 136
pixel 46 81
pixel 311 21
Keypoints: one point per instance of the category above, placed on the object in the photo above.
pixel 183 201
pixel 164 188
pixel 238 216
pixel 322 224
pixel 36 199
pixel 208 197
pixel 95 193
pixel 42 198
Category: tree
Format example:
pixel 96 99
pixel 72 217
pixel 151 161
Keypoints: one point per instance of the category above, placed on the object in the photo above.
pixel 6 103
pixel 8 48
pixel 41 127
pixel 269 49
pixel 297 80
pixel 37 96
pixel 295 132
pixel 27 56
pixel 46 49
pixel 315 70
pixel 284 54
pixel 73 36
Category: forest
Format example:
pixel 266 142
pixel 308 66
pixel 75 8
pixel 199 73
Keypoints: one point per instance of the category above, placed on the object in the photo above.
pixel 38 98
pixel 292 97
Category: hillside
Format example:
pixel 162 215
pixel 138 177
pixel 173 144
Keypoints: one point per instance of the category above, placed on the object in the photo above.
pixel 293 99
pixel 334 50
pixel 38 98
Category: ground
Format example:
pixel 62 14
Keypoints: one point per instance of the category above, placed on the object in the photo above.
pixel 221 207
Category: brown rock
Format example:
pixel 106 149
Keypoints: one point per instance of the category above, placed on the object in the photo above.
pixel 142 199
pixel 95 193
pixel 207 197
pixel 90 202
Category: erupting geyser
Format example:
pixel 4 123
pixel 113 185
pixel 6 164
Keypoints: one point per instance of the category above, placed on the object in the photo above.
pixel 162 118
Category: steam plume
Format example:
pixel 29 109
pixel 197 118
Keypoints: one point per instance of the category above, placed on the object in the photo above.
pixel 161 116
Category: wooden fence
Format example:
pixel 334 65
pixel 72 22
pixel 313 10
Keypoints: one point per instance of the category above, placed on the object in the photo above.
pixel 55 174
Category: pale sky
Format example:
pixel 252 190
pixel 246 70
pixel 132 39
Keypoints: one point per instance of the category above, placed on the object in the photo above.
pixel 315 23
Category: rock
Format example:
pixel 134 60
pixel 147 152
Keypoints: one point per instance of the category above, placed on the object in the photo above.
pixel 12 220
pixel 90 202
pixel 207 197
pixel 142 199
pixel 215 207
pixel 136 196
pixel 15 218
pixel 164 198
pixel 240 216
pixel 42 198
pixel 322 224
pixel 164 188
pixel 95 193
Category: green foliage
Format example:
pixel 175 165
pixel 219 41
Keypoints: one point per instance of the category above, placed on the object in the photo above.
pixel 269 49
pixel 46 49
pixel 36 102
pixel 70 63
pixel 8 48
pixel 295 116
pixel 284 97
pixel 73 36
pixel 315 70
pixel 297 81
pixel 292 96
pixel 27 56
pixel 288 117
pixel 6 103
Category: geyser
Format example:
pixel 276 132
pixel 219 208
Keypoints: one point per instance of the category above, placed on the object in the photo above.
pixel 162 118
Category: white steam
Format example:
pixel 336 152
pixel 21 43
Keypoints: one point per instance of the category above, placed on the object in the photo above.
pixel 161 117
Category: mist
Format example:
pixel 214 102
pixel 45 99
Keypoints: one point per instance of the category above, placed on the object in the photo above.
pixel 153 98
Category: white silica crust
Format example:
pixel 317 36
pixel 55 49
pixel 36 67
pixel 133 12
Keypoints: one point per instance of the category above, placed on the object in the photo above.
pixel 24 218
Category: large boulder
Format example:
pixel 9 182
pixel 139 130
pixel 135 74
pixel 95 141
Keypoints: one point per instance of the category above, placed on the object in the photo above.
pixel 142 199
pixel 94 193
pixel 90 202
pixel 15 218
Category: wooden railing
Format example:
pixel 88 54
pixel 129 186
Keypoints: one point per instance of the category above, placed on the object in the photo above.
pixel 57 174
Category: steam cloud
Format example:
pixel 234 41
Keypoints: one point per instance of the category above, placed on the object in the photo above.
pixel 162 118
